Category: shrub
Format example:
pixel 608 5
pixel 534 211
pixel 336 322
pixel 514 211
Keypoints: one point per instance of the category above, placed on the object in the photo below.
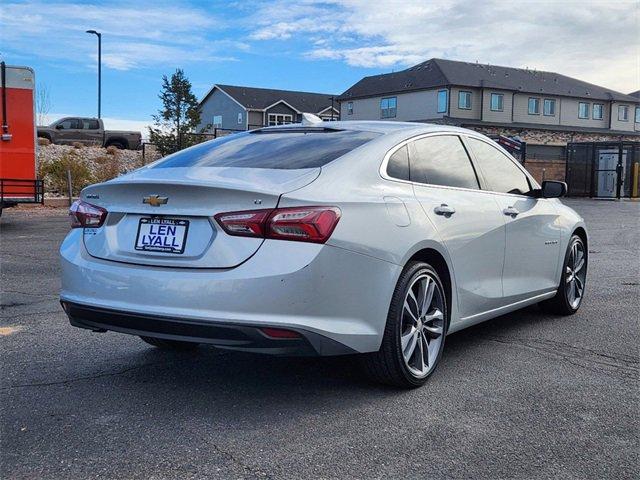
pixel 109 167
pixel 112 150
pixel 54 173
pixel 78 145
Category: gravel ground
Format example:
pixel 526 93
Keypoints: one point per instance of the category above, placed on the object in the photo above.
pixel 523 396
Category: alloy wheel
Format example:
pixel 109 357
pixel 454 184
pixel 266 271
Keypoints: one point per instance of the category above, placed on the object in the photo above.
pixel 575 274
pixel 422 325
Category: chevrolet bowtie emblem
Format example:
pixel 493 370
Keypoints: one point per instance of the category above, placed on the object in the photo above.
pixel 155 200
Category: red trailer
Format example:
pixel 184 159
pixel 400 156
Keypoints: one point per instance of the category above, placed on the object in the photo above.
pixel 18 182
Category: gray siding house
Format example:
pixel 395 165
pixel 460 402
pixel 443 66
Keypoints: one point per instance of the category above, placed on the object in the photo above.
pixel 233 107
pixel 477 95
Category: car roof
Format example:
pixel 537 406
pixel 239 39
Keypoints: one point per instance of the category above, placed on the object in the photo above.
pixel 377 126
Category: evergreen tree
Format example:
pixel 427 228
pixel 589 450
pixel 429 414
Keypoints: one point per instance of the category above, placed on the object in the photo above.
pixel 178 117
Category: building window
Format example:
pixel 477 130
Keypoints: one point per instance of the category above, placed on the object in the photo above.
pixel 388 107
pixel 549 107
pixel 497 102
pixel 443 101
pixel 623 113
pixel 464 100
pixel 279 119
pixel 637 114
pixel 583 110
pixel 597 111
pixel 239 118
pixel 534 106
pixel 217 121
pixel 349 108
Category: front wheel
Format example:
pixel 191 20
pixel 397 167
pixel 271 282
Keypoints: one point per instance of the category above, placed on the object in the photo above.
pixel 570 293
pixel 416 326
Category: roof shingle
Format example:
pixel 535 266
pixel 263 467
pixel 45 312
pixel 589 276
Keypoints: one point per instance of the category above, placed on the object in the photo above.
pixel 439 73
pixel 261 98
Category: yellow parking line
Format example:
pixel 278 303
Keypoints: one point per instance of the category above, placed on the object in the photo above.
pixel 6 331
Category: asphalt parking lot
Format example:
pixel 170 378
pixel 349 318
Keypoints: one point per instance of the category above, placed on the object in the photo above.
pixel 523 396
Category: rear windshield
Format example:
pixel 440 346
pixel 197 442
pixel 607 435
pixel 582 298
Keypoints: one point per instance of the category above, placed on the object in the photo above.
pixel 276 149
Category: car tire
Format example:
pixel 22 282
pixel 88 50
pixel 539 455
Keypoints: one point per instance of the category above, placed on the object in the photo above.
pixel 170 344
pixel 118 145
pixel 393 364
pixel 570 293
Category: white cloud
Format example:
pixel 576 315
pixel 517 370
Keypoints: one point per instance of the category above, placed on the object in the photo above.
pixel 596 41
pixel 135 34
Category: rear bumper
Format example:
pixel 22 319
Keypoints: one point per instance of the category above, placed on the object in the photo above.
pixel 317 290
pixel 223 335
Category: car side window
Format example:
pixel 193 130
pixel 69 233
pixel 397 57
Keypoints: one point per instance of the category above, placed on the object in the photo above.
pixel 66 124
pixel 90 124
pixel 72 123
pixel 442 160
pixel 398 164
pixel 498 169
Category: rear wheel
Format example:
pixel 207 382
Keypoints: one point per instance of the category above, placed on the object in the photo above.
pixel 570 293
pixel 118 145
pixel 170 344
pixel 414 335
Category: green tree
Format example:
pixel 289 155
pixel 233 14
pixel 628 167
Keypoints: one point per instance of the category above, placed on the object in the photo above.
pixel 178 117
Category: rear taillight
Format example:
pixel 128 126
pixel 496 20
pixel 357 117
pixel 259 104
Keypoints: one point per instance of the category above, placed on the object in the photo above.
pixel 302 224
pixel 85 215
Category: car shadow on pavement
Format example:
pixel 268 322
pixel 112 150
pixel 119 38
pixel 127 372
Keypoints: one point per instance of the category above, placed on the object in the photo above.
pixel 225 375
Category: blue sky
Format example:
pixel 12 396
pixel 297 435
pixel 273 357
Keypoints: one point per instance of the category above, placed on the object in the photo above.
pixel 310 45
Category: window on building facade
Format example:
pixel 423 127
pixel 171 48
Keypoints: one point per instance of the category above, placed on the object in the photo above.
pixel 637 114
pixel 388 107
pixel 239 118
pixel 350 108
pixel 549 107
pixel 534 106
pixel 598 109
pixel 217 121
pixel 464 100
pixel 279 119
pixel 497 102
pixel 583 110
pixel 623 113
pixel 443 101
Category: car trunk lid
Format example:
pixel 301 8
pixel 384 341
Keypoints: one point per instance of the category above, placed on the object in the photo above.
pixel 164 217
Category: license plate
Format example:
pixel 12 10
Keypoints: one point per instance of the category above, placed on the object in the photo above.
pixel 166 235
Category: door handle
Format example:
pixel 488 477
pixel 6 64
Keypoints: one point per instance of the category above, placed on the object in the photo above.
pixel 512 212
pixel 445 210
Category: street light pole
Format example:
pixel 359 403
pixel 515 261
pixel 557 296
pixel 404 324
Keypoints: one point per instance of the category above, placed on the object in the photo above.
pixel 99 35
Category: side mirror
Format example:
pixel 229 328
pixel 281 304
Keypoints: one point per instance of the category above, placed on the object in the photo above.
pixel 59 127
pixel 553 189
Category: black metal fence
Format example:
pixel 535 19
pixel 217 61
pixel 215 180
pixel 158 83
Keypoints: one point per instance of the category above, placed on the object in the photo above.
pixel 603 169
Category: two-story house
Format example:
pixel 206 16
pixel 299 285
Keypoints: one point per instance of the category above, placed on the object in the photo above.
pixel 545 109
pixel 233 107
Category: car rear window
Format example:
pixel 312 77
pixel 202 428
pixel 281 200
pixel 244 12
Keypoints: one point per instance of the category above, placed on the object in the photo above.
pixel 277 149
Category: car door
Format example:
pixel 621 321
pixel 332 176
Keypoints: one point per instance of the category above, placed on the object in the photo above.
pixel 532 227
pixel 68 130
pixel 466 218
pixel 91 133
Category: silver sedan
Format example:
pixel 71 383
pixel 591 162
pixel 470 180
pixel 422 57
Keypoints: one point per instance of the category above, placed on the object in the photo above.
pixel 369 238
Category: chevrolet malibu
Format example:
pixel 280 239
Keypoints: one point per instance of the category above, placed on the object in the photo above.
pixel 369 238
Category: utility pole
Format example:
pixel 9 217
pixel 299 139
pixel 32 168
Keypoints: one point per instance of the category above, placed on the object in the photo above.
pixel 99 35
